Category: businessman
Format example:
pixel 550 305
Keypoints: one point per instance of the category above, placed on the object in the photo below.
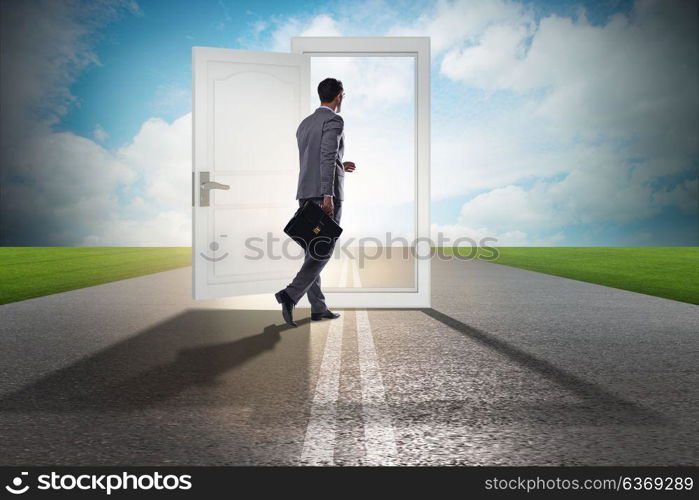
pixel 321 142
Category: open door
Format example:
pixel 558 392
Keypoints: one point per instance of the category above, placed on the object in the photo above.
pixel 245 111
pixel 246 108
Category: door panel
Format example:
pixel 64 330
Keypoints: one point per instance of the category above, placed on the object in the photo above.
pixel 246 108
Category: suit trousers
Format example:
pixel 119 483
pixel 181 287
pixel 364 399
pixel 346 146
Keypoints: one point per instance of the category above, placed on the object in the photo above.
pixel 307 280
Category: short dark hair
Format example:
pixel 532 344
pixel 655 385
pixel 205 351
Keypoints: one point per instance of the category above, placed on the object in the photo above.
pixel 328 89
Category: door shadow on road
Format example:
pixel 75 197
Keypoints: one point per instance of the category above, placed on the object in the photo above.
pixel 598 406
pixel 201 357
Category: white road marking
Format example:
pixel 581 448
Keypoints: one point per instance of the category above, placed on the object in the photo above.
pixel 379 435
pixel 319 444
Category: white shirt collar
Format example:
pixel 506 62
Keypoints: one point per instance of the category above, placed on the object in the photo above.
pixel 321 106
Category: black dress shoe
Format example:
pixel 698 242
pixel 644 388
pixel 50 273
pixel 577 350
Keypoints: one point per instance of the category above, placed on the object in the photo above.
pixel 327 314
pixel 287 307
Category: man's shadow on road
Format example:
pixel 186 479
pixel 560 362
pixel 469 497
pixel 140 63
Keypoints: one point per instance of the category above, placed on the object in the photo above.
pixel 159 366
pixel 207 350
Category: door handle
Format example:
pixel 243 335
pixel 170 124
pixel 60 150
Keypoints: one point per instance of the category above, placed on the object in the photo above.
pixel 215 185
pixel 205 185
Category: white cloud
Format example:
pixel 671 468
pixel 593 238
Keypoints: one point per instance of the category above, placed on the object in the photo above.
pixel 166 228
pixel 162 155
pixel 453 23
pixel 68 185
pixel 508 208
pixel 321 25
pixel 494 153
pixel 99 133
pixel 592 193
pixel 487 65
pixel 158 212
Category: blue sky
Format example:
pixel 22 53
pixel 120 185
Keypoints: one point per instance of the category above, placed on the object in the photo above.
pixel 552 122
pixel 146 59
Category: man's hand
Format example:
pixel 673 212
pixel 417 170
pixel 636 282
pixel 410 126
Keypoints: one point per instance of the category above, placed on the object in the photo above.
pixel 328 206
pixel 349 166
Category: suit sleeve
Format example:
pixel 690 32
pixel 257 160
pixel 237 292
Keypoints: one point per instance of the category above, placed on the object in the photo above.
pixel 329 145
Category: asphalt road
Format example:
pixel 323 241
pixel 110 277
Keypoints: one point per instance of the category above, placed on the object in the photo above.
pixel 509 367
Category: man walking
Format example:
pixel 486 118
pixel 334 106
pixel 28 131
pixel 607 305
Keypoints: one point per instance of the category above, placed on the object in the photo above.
pixel 321 142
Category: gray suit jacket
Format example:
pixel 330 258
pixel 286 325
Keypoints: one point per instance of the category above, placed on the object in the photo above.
pixel 321 140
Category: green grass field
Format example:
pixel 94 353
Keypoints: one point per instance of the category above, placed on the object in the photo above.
pixel 27 272
pixel 670 272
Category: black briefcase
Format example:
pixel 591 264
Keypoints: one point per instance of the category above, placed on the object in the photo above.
pixel 314 230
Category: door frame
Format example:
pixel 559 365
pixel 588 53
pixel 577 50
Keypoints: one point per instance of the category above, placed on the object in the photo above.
pixel 399 46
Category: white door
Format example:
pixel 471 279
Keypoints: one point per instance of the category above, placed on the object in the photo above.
pixel 245 111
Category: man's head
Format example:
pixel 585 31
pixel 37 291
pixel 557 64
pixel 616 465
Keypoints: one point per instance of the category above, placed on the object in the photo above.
pixel 331 93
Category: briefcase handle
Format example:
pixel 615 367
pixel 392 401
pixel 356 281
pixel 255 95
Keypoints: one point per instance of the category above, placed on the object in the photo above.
pixel 324 217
